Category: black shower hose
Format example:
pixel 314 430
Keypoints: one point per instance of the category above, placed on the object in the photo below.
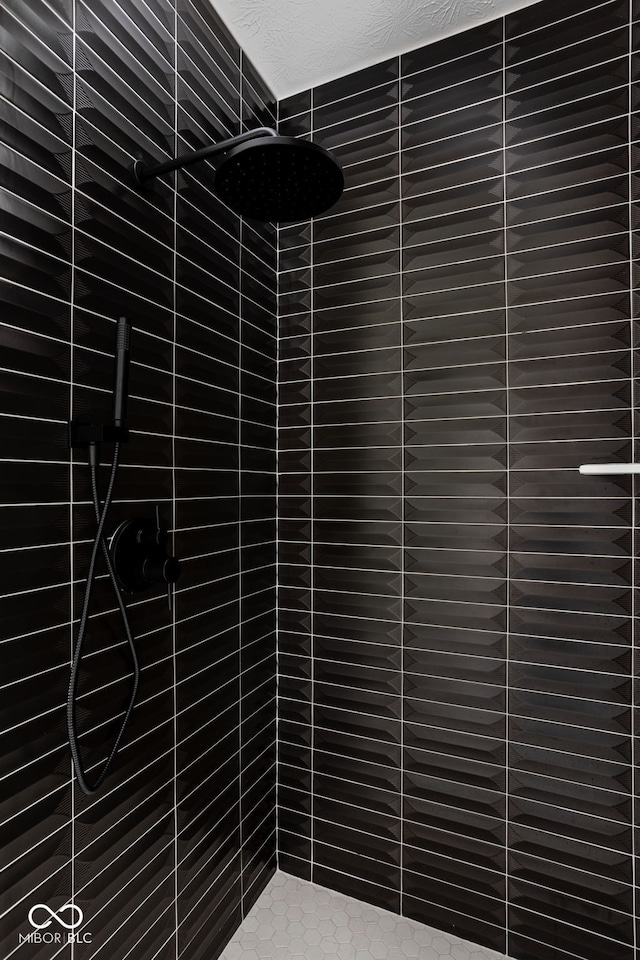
pixel 99 541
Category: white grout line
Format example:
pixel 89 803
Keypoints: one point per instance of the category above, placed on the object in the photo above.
pixel 634 516
pixel 72 492
pixel 507 680
pixel 312 524
pixel 403 467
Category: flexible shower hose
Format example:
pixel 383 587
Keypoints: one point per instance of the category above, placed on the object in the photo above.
pixel 99 541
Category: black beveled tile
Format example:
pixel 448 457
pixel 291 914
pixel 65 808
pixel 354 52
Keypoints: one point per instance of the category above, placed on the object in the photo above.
pixel 455 588
pixel 473 70
pixel 599 213
pixel 538 246
pixel 577 176
pixel 130 33
pixel 21 483
pixel 455 510
pixel 342 626
pixel 449 917
pixel 291 844
pixel 571 823
pixel 373 149
pixel 544 31
pixel 360 813
pixel 210 31
pixel 358 315
pixel 368 877
pixel 453 640
pixel 474 880
pixel 381 121
pixel 473 88
pixel 40 29
pixel 98 257
pixel 611 893
pixel 465 175
pixel 385 483
pixel 452 276
pixel 358 605
pixel 465 849
pixel 590 309
pixel 544 748
pixel 419 738
pixel 596 598
pixel 612 658
pixel 525 21
pixel 346 721
pixel 368 171
pixel 572 796
pixel 354 229
pixel 457 782
pixel 482 669
pixel 356 675
pixel 362 200
pixel 565 145
pixel 115 74
pixel 369 100
pixel 579 77
pixel 595 337
pixel 614 570
pixel 451 690
pixel 556 120
pixel 370 267
pixel 453 898
pixel 294 105
pixel 542 455
pixel 489 296
pixel 564 933
pixel 466 135
pixel 206 923
pixel 355 82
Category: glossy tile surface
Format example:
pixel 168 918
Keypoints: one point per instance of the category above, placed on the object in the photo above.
pixel 167 857
pixel 458 608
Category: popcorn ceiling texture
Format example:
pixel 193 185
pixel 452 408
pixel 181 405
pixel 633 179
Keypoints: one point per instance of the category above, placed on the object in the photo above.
pixel 297 44
pixel 294 918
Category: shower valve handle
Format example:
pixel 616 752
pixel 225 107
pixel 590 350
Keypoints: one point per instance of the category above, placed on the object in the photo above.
pixel 159 569
pixel 138 550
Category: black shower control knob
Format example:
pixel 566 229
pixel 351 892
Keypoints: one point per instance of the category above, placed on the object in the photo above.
pixel 161 569
pixel 148 536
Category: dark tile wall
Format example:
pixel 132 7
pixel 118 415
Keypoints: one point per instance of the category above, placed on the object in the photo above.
pixel 167 857
pixel 455 600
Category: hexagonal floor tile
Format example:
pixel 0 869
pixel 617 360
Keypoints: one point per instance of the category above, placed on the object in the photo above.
pixel 296 920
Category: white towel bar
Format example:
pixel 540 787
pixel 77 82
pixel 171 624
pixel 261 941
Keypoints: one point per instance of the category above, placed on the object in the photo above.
pixel 608 469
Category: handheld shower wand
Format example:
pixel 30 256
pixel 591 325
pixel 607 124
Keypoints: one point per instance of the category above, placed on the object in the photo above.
pixel 91 435
pixel 121 376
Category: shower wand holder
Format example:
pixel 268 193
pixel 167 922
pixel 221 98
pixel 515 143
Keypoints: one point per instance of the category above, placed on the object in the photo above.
pixel 84 434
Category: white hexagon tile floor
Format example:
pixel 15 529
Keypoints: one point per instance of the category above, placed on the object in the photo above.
pixel 293 918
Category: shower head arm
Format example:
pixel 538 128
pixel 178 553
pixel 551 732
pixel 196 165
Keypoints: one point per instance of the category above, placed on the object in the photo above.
pixel 143 173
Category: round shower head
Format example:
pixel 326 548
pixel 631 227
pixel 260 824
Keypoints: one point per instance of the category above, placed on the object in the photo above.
pixel 279 179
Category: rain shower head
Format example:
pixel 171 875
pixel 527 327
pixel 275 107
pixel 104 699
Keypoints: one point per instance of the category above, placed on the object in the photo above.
pixel 279 179
pixel 263 176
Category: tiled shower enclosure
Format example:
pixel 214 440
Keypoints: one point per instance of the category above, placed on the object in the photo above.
pixel 455 735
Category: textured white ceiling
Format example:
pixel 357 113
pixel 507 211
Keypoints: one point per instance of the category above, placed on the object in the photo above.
pixel 297 44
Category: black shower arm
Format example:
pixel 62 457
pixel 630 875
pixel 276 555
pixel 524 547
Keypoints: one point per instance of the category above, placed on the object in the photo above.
pixel 142 173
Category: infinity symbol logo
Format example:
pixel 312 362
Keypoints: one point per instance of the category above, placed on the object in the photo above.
pixel 56 916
